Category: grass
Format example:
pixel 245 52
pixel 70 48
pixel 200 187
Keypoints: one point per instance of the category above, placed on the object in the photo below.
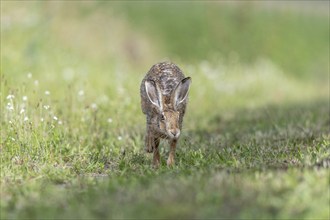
pixel 255 142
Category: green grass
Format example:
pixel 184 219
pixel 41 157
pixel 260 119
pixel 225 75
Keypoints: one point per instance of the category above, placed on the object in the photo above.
pixel 256 137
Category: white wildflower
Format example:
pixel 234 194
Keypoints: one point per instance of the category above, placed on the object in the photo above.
pixel 13 139
pixel 94 106
pixel 119 138
pixel 10 122
pixel 81 92
pixel 47 92
pixel 10 97
pixel 36 82
pixel 46 107
pixel 24 98
pixel 10 107
pixel 41 119
pixel 22 111
pixel 109 120
pixel 55 118
pixel 60 122
pixel 29 75
pixel 26 118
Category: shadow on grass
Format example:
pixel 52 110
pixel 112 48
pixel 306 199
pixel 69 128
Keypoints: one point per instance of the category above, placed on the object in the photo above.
pixel 272 136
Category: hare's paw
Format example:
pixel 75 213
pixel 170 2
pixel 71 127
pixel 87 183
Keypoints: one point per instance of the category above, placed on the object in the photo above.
pixel 170 162
pixel 149 148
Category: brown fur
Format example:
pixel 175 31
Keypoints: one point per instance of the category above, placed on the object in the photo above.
pixel 164 92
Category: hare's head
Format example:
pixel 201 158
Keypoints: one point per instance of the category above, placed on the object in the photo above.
pixel 168 106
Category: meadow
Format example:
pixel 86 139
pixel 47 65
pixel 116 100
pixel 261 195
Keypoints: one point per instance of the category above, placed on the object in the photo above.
pixel 255 142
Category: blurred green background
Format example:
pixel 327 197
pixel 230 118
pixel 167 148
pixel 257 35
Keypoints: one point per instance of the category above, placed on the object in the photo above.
pixel 294 36
pixel 256 129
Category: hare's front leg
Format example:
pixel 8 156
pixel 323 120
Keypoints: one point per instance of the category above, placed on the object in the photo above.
pixel 170 160
pixel 151 146
pixel 150 141
pixel 156 159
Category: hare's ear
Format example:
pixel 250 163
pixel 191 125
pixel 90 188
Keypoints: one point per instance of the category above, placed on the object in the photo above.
pixel 181 91
pixel 153 93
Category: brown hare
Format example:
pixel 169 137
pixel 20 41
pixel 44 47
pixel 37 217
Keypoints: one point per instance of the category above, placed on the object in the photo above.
pixel 164 96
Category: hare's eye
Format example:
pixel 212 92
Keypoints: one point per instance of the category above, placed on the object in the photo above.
pixel 162 117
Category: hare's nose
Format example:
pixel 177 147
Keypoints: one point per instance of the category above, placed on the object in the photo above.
pixel 175 132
